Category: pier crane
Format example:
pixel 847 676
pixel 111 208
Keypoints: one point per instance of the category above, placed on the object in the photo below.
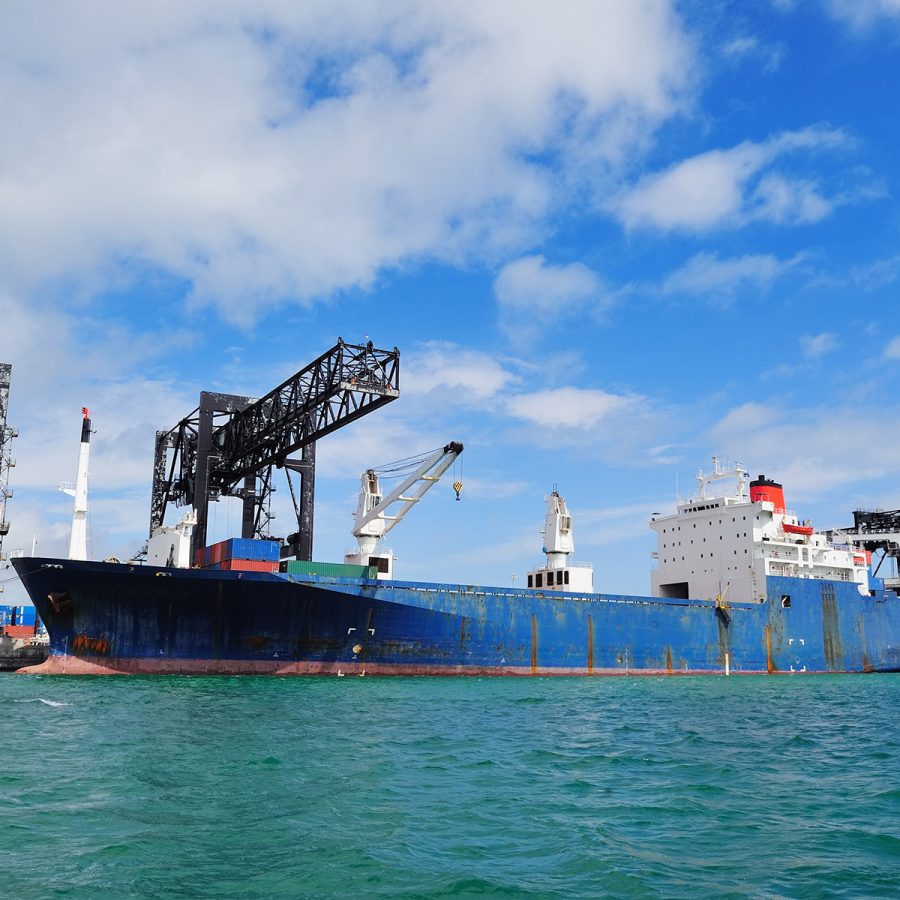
pixel 875 531
pixel 374 519
pixel 229 445
pixel 6 459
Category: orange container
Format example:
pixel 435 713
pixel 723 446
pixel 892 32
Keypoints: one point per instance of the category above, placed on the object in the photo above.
pixel 248 565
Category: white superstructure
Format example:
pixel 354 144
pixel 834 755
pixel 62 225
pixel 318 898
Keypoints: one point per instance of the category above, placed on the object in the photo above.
pixel 559 574
pixel 725 541
pixel 171 546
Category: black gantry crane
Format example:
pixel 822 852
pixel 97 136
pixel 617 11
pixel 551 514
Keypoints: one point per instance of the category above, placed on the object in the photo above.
pixel 230 444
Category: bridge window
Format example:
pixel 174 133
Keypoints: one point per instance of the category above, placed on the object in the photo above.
pixel 539 580
pixel 531 581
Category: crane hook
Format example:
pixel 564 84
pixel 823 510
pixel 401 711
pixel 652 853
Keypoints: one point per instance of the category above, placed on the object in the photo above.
pixel 457 486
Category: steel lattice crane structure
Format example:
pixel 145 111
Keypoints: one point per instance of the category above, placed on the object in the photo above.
pixel 6 460
pixel 229 445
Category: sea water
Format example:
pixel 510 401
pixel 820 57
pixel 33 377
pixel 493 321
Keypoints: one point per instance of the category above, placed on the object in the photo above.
pixel 781 786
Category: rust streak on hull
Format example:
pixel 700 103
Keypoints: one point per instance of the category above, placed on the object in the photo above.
pixel 590 647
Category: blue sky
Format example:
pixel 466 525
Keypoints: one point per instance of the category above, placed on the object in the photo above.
pixel 611 240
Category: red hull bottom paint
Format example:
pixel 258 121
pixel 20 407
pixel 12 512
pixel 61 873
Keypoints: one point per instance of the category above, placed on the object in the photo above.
pixel 76 665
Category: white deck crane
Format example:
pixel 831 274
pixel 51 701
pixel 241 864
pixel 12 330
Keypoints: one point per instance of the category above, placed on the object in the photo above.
pixel 372 520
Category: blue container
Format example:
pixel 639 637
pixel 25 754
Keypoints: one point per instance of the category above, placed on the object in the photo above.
pixel 247 548
pixel 17 615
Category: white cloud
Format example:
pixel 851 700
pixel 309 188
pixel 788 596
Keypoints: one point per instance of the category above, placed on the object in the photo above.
pixel 747 47
pixel 816 346
pixel 286 150
pixel 747 417
pixel 814 451
pixel 532 293
pixel 707 275
pixel 862 14
pixel 531 284
pixel 877 274
pixel 740 46
pixel 470 375
pixel 569 407
pixel 730 187
pixel 787 200
pixel 892 350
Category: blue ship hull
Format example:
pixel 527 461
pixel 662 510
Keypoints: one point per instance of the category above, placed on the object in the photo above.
pixel 119 618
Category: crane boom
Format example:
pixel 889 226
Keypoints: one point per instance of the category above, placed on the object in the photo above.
pixel 376 514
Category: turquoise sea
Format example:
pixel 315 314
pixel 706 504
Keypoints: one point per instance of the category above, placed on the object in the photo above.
pixel 438 787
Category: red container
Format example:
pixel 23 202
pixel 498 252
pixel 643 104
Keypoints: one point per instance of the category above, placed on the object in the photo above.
pixel 249 565
pixel 215 552
pixel 19 631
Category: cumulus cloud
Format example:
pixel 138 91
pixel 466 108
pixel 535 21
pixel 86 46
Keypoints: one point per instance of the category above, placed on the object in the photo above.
pixel 569 407
pixel 285 150
pixel 709 276
pixel 531 293
pixel 892 350
pixel 731 187
pixel 471 376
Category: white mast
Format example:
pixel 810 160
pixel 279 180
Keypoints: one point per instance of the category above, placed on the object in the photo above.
pixel 79 490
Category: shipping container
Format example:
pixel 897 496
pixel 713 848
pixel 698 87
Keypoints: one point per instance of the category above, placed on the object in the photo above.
pixel 17 615
pixel 22 632
pixel 332 570
pixel 245 565
pixel 242 548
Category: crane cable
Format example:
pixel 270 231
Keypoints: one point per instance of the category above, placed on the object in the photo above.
pixel 401 467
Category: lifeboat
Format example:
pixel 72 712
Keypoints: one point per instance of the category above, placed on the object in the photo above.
pixel 797 529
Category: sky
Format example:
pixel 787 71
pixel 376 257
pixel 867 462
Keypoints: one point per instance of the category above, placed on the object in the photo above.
pixel 611 240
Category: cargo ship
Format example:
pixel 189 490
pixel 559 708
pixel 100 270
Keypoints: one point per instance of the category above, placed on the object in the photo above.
pixel 741 586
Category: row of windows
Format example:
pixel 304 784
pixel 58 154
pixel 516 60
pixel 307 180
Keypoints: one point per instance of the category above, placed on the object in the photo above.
pixel 701 508
pixel 562 577
pixel 678 543
pixel 682 558
pixel 718 521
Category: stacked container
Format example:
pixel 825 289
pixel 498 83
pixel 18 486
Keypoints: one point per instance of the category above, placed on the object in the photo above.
pixel 240 555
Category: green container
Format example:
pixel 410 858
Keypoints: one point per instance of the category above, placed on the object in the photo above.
pixel 332 570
